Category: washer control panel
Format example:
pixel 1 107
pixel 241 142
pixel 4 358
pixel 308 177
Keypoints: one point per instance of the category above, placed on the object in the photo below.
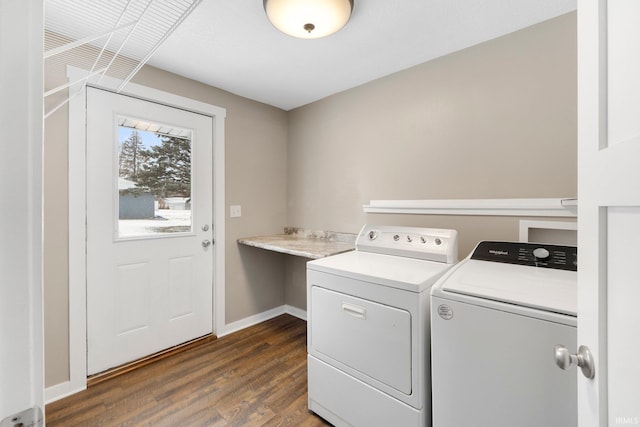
pixel 531 254
pixel 414 242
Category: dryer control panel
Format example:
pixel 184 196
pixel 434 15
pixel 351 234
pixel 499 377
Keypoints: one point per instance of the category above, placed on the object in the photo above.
pixel 431 244
pixel 531 254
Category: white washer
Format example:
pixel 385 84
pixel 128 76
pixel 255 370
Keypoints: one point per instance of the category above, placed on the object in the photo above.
pixel 496 318
pixel 368 326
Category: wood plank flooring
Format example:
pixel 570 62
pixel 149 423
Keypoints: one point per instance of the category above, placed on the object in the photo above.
pixel 254 377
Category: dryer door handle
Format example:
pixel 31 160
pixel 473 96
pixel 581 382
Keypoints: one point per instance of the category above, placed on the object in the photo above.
pixel 354 310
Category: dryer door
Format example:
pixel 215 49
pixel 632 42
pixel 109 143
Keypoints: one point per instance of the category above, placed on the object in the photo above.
pixel 372 338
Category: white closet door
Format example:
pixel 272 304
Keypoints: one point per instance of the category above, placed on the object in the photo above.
pixel 609 209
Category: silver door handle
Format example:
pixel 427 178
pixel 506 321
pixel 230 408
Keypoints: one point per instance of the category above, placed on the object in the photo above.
pixel 354 310
pixel 583 359
pixel 206 243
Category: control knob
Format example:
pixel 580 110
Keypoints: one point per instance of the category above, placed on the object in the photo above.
pixel 541 253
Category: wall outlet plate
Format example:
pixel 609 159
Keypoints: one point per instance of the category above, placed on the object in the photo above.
pixel 235 211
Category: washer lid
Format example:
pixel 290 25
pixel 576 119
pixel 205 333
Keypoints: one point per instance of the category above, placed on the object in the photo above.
pixel 540 288
pixel 388 270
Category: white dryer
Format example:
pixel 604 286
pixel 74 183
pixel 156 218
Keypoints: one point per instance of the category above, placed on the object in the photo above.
pixel 368 326
pixel 496 319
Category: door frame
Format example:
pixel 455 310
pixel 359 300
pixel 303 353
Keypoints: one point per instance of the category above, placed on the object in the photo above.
pixel 21 169
pixel 77 215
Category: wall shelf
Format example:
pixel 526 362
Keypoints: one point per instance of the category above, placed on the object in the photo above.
pixel 567 207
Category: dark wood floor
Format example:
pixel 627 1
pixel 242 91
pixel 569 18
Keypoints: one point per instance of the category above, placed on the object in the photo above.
pixel 255 377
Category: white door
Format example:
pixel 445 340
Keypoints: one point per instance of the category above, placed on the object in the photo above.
pixel 609 209
pixel 21 336
pixel 149 228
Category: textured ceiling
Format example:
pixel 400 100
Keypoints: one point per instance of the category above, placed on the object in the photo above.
pixel 230 44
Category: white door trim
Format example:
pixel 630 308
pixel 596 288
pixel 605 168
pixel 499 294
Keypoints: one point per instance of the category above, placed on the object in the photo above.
pixel 21 292
pixel 77 216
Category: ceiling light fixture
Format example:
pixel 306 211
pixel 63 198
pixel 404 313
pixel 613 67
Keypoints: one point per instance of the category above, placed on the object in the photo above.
pixel 308 19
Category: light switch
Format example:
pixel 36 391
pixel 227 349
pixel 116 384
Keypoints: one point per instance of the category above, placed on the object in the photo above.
pixel 235 211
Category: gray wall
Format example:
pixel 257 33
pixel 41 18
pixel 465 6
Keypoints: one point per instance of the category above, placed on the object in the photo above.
pixel 497 120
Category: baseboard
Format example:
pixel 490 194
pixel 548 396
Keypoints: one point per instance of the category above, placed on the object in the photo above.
pixel 295 311
pixel 60 391
pixel 250 321
pixel 261 317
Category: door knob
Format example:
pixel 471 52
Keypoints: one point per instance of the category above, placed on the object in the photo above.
pixel 206 243
pixel 583 359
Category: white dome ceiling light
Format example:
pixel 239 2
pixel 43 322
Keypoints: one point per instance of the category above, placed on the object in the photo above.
pixel 308 19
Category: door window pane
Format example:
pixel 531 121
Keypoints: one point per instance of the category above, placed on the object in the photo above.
pixel 154 179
